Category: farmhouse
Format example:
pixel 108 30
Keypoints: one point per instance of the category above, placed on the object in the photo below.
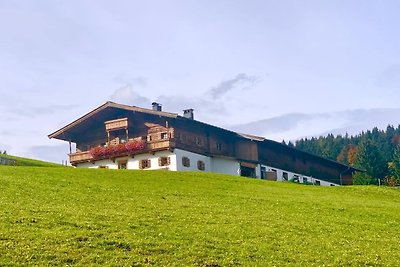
pixel 117 136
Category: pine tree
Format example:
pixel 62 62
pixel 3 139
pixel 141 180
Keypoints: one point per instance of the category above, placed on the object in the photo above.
pixel 395 164
pixel 370 158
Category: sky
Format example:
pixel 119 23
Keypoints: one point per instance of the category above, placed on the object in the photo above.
pixel 280 69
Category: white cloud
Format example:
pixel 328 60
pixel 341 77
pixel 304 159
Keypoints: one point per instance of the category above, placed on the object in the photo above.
pixel 241 80
pixel 127 95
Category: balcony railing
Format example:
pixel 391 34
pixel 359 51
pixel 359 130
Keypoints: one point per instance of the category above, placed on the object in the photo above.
pixel 116 151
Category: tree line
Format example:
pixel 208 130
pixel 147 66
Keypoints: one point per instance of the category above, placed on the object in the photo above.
pixel 375 151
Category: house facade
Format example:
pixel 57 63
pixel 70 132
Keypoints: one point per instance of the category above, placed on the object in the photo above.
pixel 117 136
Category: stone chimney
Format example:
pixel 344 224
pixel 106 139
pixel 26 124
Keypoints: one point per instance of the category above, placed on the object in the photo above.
pixel 188 113
pixel 156 106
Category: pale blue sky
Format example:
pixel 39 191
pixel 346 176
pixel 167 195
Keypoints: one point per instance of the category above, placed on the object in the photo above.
pixel 301 68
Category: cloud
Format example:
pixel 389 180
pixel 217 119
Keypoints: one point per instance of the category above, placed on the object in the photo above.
pixel 36 111
pixel 126 95
pixel 297 125
pixel 242 79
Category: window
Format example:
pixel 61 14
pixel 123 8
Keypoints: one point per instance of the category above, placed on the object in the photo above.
pixel 185 161
pixel 201 165
pixel 164 161
pixel 122 164
pixel 317 182
pixel 305 180
pixel 164 136
pixel 284 176
pixel 219 146
pixel 263 172
pixel 198 141
pixel 144 164
pixel 103 167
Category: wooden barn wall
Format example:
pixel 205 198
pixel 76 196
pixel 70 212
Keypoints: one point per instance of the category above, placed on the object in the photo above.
pixel 295 161
pixel 246 150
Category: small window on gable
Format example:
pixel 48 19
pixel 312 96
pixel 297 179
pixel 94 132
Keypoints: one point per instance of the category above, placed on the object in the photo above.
pixel 201 165
pixel 144 164
pixel 198 141
pixel 164 135
pixel 122 164
pixel 164 161
pixel 219 146
pixel 185 161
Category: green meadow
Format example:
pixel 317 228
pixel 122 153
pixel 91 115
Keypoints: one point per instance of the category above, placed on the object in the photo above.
pixel 80 217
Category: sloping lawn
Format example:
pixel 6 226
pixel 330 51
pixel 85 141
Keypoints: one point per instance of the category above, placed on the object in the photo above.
pixel 30 162
pixel 81 217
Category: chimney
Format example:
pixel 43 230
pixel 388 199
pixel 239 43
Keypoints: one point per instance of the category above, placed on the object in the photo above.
pixel 188 113
pixel 156 106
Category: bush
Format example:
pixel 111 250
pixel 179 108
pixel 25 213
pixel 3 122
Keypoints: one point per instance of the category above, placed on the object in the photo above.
pixel 362 178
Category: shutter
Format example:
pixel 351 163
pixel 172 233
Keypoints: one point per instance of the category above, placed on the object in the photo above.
pixel 160 161
pixel 148 163
pixel 168 160
pixel 141 164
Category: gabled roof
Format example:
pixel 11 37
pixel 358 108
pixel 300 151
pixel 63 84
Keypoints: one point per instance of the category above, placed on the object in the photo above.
pixel 109 104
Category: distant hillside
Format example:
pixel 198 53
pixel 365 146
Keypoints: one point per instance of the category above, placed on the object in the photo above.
pixel 29 162
pixel 375 151
pixel 85 217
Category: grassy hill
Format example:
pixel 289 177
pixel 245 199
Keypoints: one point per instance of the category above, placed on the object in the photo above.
pixel 81 217
pixel 30 162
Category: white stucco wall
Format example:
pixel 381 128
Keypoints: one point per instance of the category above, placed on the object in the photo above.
pixel 179 154
pixel 224 165
pixel 105 162
pixel 133 163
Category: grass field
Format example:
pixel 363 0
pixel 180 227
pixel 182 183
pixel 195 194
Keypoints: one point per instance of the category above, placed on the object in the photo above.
pixel 30 162
pixel 81 217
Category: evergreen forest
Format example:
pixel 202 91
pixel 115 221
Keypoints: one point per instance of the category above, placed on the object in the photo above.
pixel 377 152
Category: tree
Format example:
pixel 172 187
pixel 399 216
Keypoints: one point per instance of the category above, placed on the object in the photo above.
pixel 370 158
pixel 395 164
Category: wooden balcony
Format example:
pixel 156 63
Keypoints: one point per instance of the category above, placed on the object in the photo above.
pixel 150 147
pixel 79 157
pixel 116 124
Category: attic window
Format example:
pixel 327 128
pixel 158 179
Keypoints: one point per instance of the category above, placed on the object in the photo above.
pixel 198 141
pixel 219 146
pixel 164 135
